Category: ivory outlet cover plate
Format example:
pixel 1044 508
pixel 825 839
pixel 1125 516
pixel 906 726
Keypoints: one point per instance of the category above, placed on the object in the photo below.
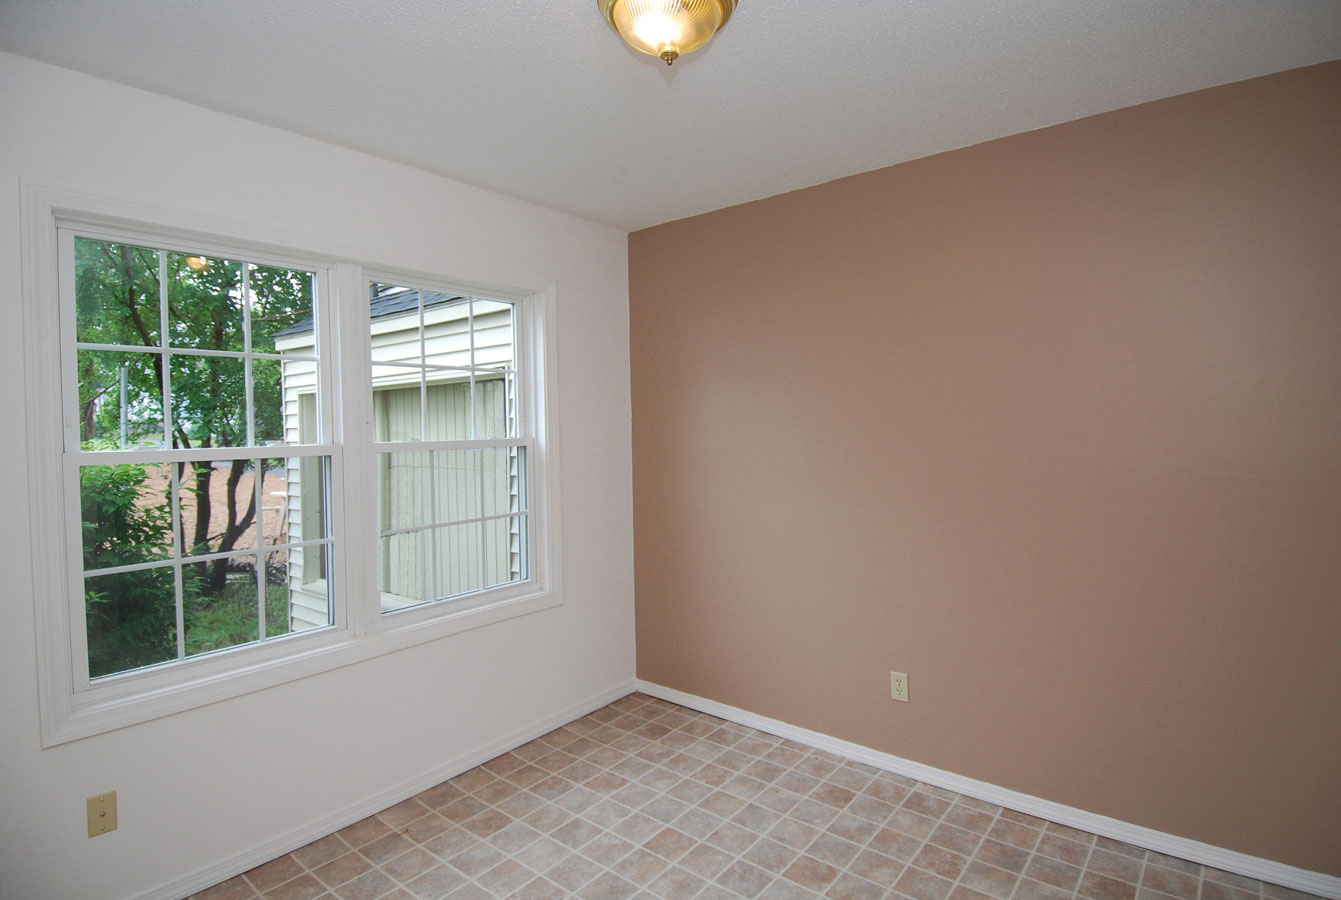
pixel 898 686
pixel 102 814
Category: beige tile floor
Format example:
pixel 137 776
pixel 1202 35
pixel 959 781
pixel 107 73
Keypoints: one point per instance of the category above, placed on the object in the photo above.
pixel 645 799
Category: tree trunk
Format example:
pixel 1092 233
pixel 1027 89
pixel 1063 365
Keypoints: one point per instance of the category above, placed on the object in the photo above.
pixel 234 527
pixel 89 425
pixel 198 543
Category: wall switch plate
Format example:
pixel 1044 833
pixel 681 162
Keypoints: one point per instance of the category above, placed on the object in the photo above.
pixel 898 686
pixel 102 814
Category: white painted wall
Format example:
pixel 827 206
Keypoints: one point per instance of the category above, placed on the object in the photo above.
pixel 203 786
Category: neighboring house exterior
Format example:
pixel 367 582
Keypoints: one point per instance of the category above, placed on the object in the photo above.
pixel 416 487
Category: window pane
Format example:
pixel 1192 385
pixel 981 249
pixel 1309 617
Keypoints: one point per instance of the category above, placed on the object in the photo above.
pixel 126 516
pixel 393 345
pixel 457 481
pixel 505 541
pixel 404 566
pixel 218 504
pixel 109 419
pixel 131 620
pixel 459 563
pixel 504 480
pixel 220 603
pixel 448 406
pixel 209 401
pixel 446 330
pixel 469 392
pixel 493 335
pixel 494 412
pixel 393 316
pixel 297 590
pixel 274 403
pixel 281 310
pixel 293 500
pixel 397 414
pixel 403 494
pixel 204 302
pixel 116 293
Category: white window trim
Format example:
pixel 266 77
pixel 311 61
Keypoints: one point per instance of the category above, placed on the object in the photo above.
pixel 360 631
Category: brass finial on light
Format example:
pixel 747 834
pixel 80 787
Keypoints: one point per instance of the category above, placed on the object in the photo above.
pixel 667 28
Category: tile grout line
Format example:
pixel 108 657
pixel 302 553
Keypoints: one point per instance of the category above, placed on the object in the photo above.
pixel 799 852
pixel 959 880
pixel 651 711
pixel 762 836
pixel 1032 853
pixel 1094 842
pixel 663 793
pixel 1145 864
pixel 740 857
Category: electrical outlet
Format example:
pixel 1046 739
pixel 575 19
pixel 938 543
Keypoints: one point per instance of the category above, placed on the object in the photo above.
pixel 898 686
pixel 102 814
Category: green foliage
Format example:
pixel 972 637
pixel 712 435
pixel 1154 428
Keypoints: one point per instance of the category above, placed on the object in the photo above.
pixel 119 290
pixel 131 616
pixel 229 618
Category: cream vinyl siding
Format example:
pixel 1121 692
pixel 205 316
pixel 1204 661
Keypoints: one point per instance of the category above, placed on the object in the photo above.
pixel 405 560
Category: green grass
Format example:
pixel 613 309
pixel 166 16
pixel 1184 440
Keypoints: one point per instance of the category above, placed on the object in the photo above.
pixel 229 618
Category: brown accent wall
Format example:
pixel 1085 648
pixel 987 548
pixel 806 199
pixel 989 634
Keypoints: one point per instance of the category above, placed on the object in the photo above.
pixel 1052 424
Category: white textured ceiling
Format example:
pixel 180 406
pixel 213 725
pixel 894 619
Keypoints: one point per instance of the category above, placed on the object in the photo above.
pixel 540 100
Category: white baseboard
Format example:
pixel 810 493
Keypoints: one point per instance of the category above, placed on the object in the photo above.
pixel 1171 844
pixel 286 843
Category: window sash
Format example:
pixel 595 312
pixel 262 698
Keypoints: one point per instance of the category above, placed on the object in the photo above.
pixel 75 457
pixel 512 374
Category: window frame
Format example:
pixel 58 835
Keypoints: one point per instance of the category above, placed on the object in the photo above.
pixel 533 313
pixel 156 677
pixel 359 630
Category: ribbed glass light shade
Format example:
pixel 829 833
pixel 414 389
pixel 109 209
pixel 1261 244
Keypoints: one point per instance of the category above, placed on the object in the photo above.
pixel 667 28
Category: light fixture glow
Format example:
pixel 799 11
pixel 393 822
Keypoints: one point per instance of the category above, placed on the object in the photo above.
pixel 667 28
pixel 197 262
pixel 656 29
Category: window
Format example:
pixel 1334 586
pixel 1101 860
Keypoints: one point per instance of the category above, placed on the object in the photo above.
pixel 202 499
pixel 231 491
pixel 451 467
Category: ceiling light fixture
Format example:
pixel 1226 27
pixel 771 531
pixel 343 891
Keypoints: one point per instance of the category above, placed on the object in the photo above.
pixel 667 28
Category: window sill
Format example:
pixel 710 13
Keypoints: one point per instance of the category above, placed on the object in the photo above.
pixel 228 674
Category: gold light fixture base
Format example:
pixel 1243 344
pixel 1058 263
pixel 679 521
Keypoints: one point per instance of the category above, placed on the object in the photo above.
pixel 667 29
